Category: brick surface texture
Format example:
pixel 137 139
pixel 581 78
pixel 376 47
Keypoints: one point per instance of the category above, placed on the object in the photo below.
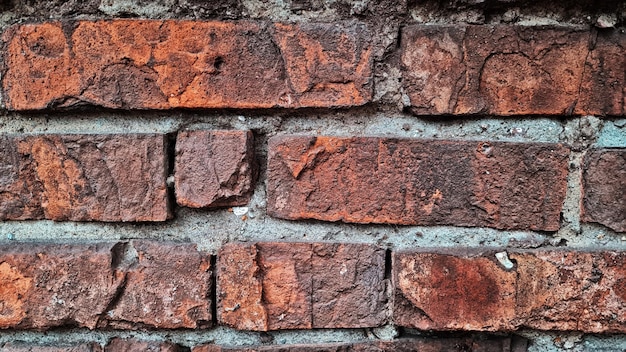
pixel 604 188
pixel 83 177
pixel 546 290
pixel 272 286
pixel 513 70
pixel 143 64
pixel 312 175
pixel 213 168
pixel 118 285
pixel 401 345
pixel 417 182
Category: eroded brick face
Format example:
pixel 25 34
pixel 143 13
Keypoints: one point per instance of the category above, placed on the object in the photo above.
pixel 213 168
pixel 143 64
pixel 83 177
pixel 271 286
pixel 25 347
pixel 417 182
pixel 545 290
pixel 604 188
pixel 130 286
pixel 512 70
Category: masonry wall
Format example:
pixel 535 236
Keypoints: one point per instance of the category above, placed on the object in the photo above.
pixel 313 176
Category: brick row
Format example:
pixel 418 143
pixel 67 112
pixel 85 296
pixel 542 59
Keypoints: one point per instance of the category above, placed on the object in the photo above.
pixel 498 344
pixel 279 286
pixel 417 182
pixel 144 64
pixel 446 69
pixel 122 177
pixel 513 70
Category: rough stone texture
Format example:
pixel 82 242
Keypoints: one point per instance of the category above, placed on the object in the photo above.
pixel 134 345
pixel 272 286
pixel 603 88
pixel 213 168
pixel 400 345
pixel 546 290
pixel 512 70
pixel 44 286
pixel 417 182
pixel 604 188
pixel 25 347
pixel 144 64
pixel 83 177
pixel 166 286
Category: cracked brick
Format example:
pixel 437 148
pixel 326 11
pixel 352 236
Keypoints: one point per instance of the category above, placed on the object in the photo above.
pixel 152 64
pixel 512 70
pixel 213 168
pixel 104 177
pixel 272 286
pixel 545 290
pixel 411 181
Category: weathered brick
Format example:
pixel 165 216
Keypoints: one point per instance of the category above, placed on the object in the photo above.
pixel 400 345
pixel 213 168
pixel 26 347
pixel 544 290
pixel 83 177
pixel 134 345
pixel 272 286
pixel 417 182
pixel 166 286
pixel 604 188
pixel 44 286
pixel 603 85
pixel 512 70
pixel 143 64
pixel 146 284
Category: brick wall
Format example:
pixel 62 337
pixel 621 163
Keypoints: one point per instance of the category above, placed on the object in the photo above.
pixel 313 176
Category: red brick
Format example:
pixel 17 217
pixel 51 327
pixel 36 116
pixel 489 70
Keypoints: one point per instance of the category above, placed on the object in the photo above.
pixel 512 70
pixel 24 347
pixel 604 188
pixel 603 86
pixel 417 182
pixel 545 290
pixel 400 345
pixel 83 177
pixel 213 168
pixel 152 64
pixel 168 287
pixel 104 285
pixel 272 286
pixel 134 345
pixel 44 286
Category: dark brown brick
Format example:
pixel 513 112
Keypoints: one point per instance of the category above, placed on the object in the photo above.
pixel 44 286
pixel 134 345
pixel 545 290
pixel 400 345
pixel 512 70
pixel 146 284
pixel 213 168
pixel 25 347
pixel 604 188
pixel 83 177
pixel 602 89
pixel 166 286
pixel 417 182
pixel 272 286
pixel 144 64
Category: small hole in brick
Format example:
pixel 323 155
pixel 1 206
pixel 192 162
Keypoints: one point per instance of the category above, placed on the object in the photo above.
pixel 217 63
